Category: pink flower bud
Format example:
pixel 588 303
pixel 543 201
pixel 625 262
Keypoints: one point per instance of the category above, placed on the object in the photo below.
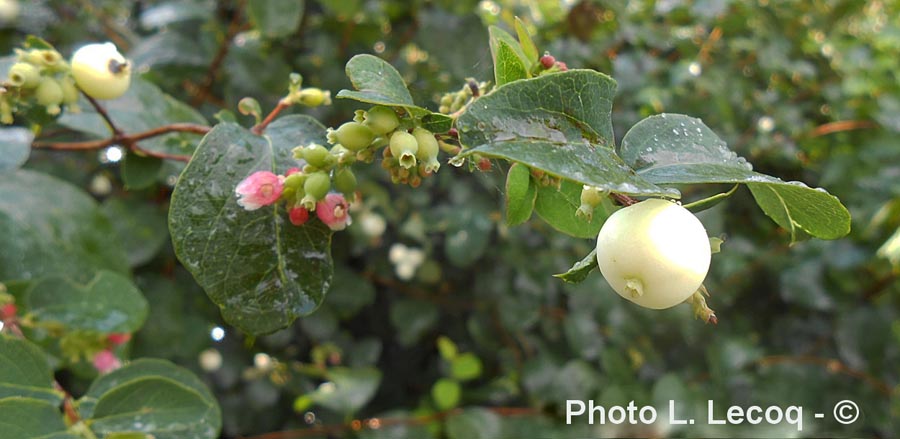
pixel 292 171
pixel 118 338
pixel 562 66
pixel 8 311
pixel 261 188
pixel 105 362
pixel 334 211
pixel 547 61
pixel 298 215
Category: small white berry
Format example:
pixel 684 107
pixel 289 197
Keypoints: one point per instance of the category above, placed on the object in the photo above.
pixel 101 71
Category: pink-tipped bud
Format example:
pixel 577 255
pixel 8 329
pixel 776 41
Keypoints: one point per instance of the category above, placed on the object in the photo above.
pixel 562 66
pixel 484 164
pixel 8 311
pixel 292 171
pixel 298 216
pixel 118 339
pixel 261 188
pixel 105 362
pixel 334 211
pixel 548 61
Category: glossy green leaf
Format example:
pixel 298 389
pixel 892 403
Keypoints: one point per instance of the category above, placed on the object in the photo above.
pixel 261 270
pixel 673 148
pixel 52 227
pixel 349 389
pixel 709 202
pixel 155 405
pixel 558 123
pixel 475 423
pixel 580 271
pixel 24 371
pixel 276 18
pixel 521 193
pixel 139 172
pixel 465 367
pixel 140 228
pixel 23 417
pixel 107 303
pixel 497 36
pixel 446 393
pixel 144 106
pixel 557 206
pixel 508 67
pixel 528 48
pixel 15 147
pixel 378 82
pixel 799 208
pixel 139 370
pixel 437 122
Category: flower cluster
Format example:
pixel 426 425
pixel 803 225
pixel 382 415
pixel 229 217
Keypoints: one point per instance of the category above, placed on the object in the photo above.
pixel 302 193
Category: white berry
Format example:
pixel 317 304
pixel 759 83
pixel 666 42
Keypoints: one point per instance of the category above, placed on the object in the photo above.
pixel 101 71
pixel 654 253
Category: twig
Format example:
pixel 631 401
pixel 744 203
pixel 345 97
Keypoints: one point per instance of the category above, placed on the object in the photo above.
pixel 623 199
pixel 260 127
pixel 842 125
pixel 102 112
pixel 130 140
pixel 378 423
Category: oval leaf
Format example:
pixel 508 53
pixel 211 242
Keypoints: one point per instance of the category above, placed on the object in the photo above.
pixel 799 208
pixel 261 270
pixel 378 82
pixel 276 18
pixel 15 147
pixel 22 417
pixel 107 303
pixel 508 67
pixel 557 206
pixel 559 123
pixel 24 371
pixel 521 193
pixel 580 271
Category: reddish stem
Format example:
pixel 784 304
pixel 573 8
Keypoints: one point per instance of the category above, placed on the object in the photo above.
pixel 260 127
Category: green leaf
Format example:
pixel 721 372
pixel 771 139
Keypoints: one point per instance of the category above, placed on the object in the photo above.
pixel 799 208
pixel 380 83
pixel 139 172
pixel 437 122
pixel 276 18
pixel 465 367
pixel 673 148
pixel 580 271
pixel 52 227
pixel 158 406
pixel 261 270
pixel 558 123
pixel 446 393
pixel 508 67
pixel 498 36
pixel 22 417
pixel 138 370
pixel 708 202
pixel 558 206
pixel 447 348
pixel 521 193
pixel 349 389
pixel 24 372
pixel 528 48
pixel 144 106
pixel 15 147
pixel 107 303
pixel 474 423
pixel 140 227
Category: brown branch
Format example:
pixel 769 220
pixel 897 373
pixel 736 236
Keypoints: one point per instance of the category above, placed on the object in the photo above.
pixel 212 72
pixel 623 199
pixel 260 127
pixel 879 286
pixel 102 112
pixel 130 140
pixel 357 425
pixel 842 125
pixel 832 365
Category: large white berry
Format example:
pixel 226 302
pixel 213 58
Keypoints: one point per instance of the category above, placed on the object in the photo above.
pixel 654 253
pixel 101 71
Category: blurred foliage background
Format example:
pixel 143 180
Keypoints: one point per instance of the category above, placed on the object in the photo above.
pixel 804 90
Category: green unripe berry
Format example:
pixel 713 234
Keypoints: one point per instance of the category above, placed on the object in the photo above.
pixel 428 149
pixel 353 135
pixel 345 182
pixel 381 120
pixel 70 92
pixel 315 154
pixel 49 94
pixel 44 57
pixel 317 185
pixel 24 75
pixel 314 97
pixel 404 147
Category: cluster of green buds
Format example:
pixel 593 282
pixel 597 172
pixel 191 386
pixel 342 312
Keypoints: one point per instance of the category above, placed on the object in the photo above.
pixel 455 101
pixel 591 197
pixel 323 171
pixel 409 154
pixel 38 77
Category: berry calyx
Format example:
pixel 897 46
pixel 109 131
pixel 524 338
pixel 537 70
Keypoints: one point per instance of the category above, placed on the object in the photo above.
pixel 404 147
pixel 25 75
pixel 101 71
pixel 428 149
pixel 381 120
pixel 654 253
pixel 261 188
pixel 591 197
pixel 353 135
